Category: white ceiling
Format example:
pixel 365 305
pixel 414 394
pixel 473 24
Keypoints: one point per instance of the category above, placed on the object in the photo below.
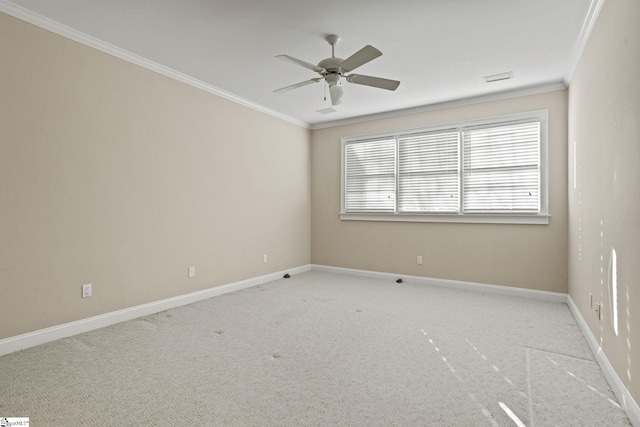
pixel 439 49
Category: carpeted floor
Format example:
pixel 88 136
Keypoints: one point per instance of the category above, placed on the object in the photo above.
pixel 321 349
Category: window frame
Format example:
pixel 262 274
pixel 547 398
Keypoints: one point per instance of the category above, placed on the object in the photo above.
pixel 541 217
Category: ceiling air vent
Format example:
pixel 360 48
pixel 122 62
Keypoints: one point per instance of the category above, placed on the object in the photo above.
pixel 327 110
pixel 498 77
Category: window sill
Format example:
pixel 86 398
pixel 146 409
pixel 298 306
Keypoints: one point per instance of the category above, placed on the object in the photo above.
pixel 466 218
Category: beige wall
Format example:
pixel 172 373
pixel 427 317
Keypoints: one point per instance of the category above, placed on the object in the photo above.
pixel 604 199
pixel 114 175
pixel 529 256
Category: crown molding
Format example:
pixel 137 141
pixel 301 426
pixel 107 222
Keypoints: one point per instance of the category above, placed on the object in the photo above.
pixel 90 41
pixel 87 40
pixel 587 27
pixel 514 93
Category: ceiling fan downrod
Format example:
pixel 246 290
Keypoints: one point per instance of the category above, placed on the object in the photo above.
pixel 333 40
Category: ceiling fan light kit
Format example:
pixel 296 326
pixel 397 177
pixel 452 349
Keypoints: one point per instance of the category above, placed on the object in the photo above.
pixel 333 69
pixel 336 94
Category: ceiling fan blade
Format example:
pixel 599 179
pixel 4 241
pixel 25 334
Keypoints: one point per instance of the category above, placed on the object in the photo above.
pixel 378 82
pixel 297 85
pixel 302 63
pixel 361 57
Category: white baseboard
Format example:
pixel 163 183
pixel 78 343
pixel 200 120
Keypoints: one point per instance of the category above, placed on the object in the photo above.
pixel 455 284
pixel 42 336
pixel 627 402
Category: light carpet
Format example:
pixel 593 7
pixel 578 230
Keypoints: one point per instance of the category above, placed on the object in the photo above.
pixel 321 349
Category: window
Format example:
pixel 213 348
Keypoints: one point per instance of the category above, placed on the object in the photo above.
pixel 371 176
pixel 491 170
pixel 428 172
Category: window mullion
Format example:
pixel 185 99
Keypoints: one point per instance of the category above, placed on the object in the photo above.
pixel 395 208
pixel 461 154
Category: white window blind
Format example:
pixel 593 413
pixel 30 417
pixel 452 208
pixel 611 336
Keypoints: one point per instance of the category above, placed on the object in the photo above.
pixel 487 170
pixel 428 172
pixel 502 168
pixel 370 175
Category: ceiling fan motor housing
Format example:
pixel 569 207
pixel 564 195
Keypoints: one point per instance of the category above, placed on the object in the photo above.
pixel 332 65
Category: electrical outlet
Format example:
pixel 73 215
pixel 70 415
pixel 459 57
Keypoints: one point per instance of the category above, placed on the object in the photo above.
pixel 419 260
pixel 265 258
pixel 86 290
pixel 192 272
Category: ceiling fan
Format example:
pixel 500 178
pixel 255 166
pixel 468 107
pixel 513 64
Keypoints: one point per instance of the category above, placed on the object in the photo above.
pixel 333 69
